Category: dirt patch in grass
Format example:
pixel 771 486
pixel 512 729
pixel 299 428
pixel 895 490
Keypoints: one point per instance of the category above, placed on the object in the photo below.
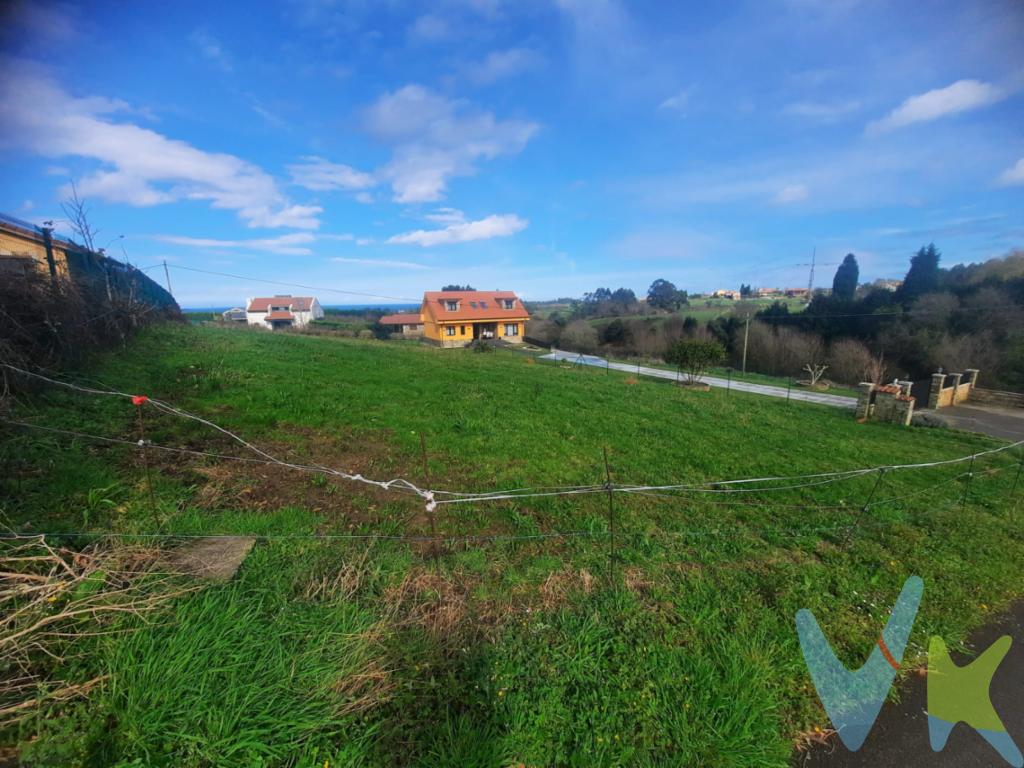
pixel 436 602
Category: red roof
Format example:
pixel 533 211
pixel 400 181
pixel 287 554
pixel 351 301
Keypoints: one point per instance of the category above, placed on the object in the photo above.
pixel 294 303
pixel 402 319
pixel 474 305
pixel 280 316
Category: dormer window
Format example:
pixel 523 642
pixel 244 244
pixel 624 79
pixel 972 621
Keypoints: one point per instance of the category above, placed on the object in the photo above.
pixel 483 305
pixel 509 303
pixel 451 306
pixel 472 304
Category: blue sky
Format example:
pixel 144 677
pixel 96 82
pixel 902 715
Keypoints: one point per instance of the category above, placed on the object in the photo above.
pixel 541 146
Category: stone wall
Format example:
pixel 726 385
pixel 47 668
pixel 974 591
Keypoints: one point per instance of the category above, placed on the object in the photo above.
pixel 996 398
pixel 890 403
pixel 952 388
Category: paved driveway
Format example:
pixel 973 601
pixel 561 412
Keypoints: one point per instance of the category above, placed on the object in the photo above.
pixel 836 401
pixel 1005 423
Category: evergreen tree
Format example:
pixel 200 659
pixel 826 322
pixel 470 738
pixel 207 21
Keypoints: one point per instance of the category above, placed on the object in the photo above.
pixel 844 284
pixel 923 275
pixel 664 295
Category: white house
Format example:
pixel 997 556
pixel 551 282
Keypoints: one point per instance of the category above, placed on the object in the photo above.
pixel 278 312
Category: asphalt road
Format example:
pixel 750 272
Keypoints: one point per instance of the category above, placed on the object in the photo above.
pixel 820 398
pixel 1005 423
pixel 900 735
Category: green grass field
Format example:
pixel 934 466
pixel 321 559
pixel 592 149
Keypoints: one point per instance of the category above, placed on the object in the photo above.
pixel 501 651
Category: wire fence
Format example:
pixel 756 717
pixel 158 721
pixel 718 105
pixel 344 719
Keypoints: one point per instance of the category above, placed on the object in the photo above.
pixel 770 492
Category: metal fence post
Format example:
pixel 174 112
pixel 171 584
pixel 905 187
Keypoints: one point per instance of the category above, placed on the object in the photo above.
pixel 728 381
pixel 145 458
pixel 611 517
pixel 864 508
pixel 1016 479
pixel 789 387
pixel 430 507
pixel 967 485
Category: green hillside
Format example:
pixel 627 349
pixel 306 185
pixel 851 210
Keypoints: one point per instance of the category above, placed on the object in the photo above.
pixel 508 645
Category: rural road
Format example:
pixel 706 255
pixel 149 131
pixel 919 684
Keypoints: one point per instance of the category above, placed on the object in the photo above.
pixel 837 401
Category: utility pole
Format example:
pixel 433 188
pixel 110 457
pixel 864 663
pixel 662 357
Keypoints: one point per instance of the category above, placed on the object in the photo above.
pixel 167 275
pixel 810 280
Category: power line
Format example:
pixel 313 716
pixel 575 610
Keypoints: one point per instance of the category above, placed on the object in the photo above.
pixel 297 285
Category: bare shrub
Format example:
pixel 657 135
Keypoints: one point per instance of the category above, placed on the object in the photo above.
pixel 579 336
pixel 50 598
pixel 851 362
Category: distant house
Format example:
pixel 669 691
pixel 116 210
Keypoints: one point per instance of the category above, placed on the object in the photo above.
pixel 725 293
pixel 765 293
pixel 796 293
pixel 234 315
pixel 409 324
pixel 278 312
pixel 457 318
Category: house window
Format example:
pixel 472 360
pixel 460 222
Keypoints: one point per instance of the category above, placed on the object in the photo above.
pixel 511 329
pixel 451 306
pixel 483 305
pixel 509 303
pixel 472 304
pixel 449 330
pixel 463 330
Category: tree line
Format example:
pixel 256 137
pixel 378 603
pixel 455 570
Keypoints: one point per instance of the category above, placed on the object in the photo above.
pixel 969 316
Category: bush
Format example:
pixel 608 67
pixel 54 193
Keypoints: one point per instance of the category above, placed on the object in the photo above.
pixel 579 336
pixel 694 356
pixel 851 362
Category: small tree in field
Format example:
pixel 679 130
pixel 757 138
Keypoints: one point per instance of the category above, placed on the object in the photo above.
pixel 694 356
pixel 813 350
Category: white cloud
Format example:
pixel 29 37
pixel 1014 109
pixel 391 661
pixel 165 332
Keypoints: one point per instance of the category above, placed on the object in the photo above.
pixel 138 166
pixel 825 112
pixel 429 29
pixel 435 138
pixel 1013 175
pixel 211 49
pixel 961 96
pixel 496 225
pixel 321 175
pixel 379 263
pixel 677 102
pixel 293 244
pixel 791 193
pixel 446 216
pixel 501 64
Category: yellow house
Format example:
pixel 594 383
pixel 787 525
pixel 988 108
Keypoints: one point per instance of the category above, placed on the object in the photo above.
pixel 26 248
pixel 456 318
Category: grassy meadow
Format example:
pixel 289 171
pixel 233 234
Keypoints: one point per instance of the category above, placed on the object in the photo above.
pixel 506 649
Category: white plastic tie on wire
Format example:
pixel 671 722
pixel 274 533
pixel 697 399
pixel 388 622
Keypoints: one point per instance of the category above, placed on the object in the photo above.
pixel 431 504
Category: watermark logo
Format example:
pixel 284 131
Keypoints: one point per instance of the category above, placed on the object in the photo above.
pixel 955 694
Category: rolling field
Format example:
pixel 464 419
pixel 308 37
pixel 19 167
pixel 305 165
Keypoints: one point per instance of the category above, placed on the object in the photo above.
pixel 351 636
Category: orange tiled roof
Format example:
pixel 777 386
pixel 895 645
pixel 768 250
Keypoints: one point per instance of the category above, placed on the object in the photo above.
pixel 401 319
pixel 280 316
pixel 474 305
